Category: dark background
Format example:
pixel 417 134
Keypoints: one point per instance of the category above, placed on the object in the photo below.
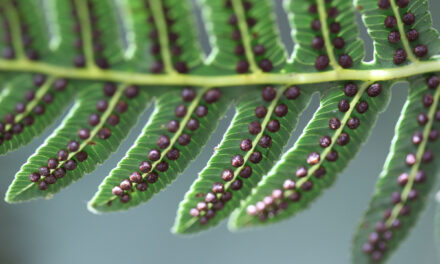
pixel 61 230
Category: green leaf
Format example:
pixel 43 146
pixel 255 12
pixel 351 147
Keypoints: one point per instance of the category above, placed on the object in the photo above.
pixel 136 44
pixel 268 143
pixel 105 201
pixel 374 18
pixel 61 37
pixel 154 43
pixel 33 28
pixel 184 25
pixel 105 23
pixel 172 38
pixel 254 21
pixel 395 166
pixel 28 122
pixel 305 17
pixel 320 173
pixel 16 32
pixel 98 145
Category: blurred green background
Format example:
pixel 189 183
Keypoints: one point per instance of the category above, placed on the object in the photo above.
pixel 62 231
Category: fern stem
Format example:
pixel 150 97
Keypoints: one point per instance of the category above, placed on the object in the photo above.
pixel 368 72
pixel 86 34
pixel 30 106
pixel 325 33
pixel 244 30
pixel 402 32
pixel 335 136
pixel 15 27
pixel 159 20
pixel 415 168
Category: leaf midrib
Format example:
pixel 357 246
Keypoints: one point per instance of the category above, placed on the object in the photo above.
pixel 103 119
pixel 266 120
pixel 15 27
pixel 38 96
pixel 173 140
pixel 325 33
pixel 402 32
pixel 86 35
pixel 415 168
pixel 326 151
pixel 244 30
pixel 162 29
pixel 335 136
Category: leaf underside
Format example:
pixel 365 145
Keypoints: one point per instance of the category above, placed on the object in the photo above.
pixel 105 56
pixel 394 167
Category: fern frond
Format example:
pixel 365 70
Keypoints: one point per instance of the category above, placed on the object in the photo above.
pixel 243 36
pixel 28 105
pixel 341 124
pixel 326 34
pixel 402 31
pixel 94 128
pixel 110 58
pixel 177 131
pixel 261 128
pixel 409 174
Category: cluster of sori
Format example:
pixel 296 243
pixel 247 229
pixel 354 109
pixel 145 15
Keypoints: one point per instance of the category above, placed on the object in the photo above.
pixel 232 178
pixel 278 200
pixel 378 240
pixel 80 60
pixel 174 48
pixel 258 49
pixel 26 38
pixel 318 43
pixel 14 122
pixel 182 128
pixel 67 159
pixel 394 36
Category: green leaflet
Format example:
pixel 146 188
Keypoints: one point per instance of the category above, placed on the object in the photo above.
pixel 105 24
pixel 374 18
pixel 61 37
pixel 395 165
pixel 230 146
pixel 333 34
pixel 154 43
pixel 137 45
pixel 97 148
pixel 309 142
pixel 29 123
pixel 34 33
pixel 247 18
pixel 19 33
pixel 170 36
pixel 105 201
pixel 180 13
